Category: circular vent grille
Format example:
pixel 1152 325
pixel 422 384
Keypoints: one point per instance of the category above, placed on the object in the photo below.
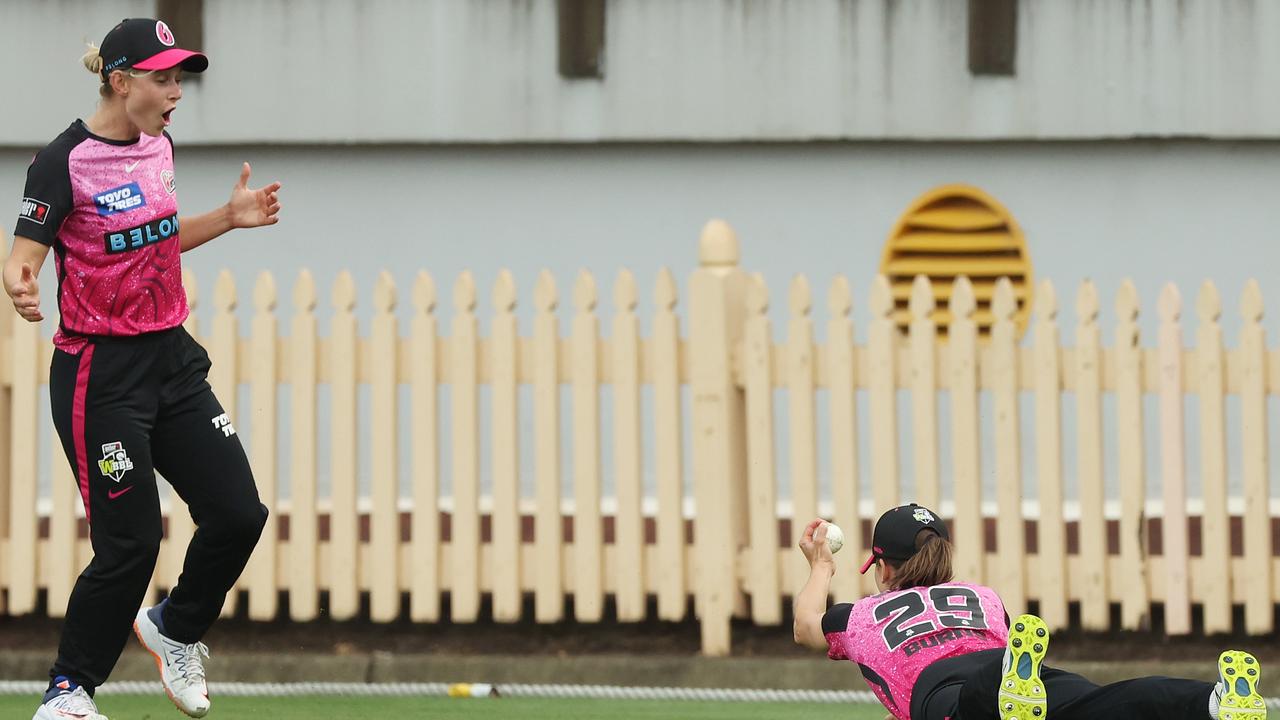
pixel 951 231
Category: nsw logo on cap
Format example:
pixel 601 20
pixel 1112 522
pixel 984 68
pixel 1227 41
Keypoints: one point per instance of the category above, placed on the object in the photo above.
pixel 164 34
pixel 924 516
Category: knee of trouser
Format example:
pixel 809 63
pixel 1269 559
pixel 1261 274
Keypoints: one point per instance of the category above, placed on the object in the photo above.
pixel 245 527
pixel 127 553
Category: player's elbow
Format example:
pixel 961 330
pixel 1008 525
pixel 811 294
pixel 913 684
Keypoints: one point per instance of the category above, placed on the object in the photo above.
pixel 805 633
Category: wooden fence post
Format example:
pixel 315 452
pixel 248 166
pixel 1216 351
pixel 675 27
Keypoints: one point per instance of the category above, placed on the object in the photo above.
pixel 1173 525
pixel 24 353
pixel 1011 566
pixel 716 309
pixel 1051 527
pixel 1215 521
pixel 304 538
pixel 802 435
pixel 1094 611
pixel 668 450
pixel 967 527
pixel 1259 618
pixel 261 577
pixel 1135 606
pixel 504 419
pixel 762 477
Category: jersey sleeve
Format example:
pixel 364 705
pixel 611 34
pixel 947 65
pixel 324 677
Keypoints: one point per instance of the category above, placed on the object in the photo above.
pixel 46 199
pixel 834 624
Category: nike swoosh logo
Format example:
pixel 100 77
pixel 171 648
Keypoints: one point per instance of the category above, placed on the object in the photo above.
pixel 113 494
pixel 130 166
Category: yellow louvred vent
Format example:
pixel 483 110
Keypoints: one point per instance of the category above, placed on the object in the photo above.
pixel 951 231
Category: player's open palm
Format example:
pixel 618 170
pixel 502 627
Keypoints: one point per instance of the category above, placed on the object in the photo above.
pixel 25 291
pixel 254 207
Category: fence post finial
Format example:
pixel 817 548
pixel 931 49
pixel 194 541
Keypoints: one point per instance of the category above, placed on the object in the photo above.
pixel 664 290
pixel 840 297
pixel 424 293
pixel 718 246
pixel 384 293
pixel 504 292
pixel 1087 304
pixel 1208 303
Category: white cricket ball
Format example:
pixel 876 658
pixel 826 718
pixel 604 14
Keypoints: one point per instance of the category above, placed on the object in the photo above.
pixel 835 537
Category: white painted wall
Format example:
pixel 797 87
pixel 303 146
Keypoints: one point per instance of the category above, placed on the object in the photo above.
pixel 1157 212
pixel 447 71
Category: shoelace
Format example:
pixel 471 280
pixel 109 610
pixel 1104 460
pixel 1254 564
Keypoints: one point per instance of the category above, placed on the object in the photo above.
pixel 76 701
pixel 189 665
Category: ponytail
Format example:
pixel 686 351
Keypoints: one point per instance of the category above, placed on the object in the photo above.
pixel 931 565
pixel 92 61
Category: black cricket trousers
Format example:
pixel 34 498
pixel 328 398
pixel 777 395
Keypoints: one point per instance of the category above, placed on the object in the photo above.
pixel 1070 696
pixel 124 408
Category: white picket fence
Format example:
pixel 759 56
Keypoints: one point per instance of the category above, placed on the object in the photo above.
pixel 724 544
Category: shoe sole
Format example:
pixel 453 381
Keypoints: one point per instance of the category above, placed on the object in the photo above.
pixel 160 668
pixel 1022 694
pixel 1240 672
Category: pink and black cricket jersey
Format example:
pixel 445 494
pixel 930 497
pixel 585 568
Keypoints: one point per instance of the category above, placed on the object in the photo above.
pixel 894 636
pixel 109 210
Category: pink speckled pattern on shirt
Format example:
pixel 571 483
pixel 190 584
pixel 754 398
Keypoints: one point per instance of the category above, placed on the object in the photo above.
pixel 896 635
pixel 119 262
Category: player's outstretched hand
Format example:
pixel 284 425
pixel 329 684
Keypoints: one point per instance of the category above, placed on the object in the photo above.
pixel 813 543
pixel 253 207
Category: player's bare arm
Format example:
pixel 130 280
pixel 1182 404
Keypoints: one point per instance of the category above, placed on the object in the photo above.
pixel 811 603
pixel 247 208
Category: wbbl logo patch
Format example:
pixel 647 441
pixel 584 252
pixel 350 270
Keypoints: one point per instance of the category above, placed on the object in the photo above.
pixel 115 461
pixel 34 210
pixel 121 199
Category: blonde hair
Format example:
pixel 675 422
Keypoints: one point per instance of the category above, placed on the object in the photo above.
pixel 92 60
pixel 931 565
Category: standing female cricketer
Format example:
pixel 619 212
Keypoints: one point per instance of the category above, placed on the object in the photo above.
pixel 127 384
pixel 933 649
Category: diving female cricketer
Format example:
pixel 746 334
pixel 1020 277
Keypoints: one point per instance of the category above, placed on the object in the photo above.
pixel 932 648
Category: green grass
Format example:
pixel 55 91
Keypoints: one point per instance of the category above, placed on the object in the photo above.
pixel 138 707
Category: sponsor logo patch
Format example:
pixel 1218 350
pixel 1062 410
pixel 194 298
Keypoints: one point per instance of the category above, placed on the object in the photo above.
pixel 34 210
pixel 120 199
pixel 113 494
pixel 223 423
pixel 157 230
pixel 166 177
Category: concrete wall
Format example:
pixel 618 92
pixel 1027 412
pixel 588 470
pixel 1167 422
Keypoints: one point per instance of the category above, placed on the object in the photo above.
pixel 446 71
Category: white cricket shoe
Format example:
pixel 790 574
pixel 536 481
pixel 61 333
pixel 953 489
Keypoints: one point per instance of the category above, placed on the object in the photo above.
pixel 69 705
pixel 181 666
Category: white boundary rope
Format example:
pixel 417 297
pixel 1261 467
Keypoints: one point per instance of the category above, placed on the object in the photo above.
pixel 609 692
pixel 602 692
